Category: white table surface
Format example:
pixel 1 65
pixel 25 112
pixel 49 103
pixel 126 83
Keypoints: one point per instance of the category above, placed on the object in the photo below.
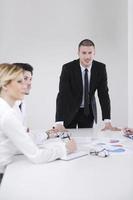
pixel 85 178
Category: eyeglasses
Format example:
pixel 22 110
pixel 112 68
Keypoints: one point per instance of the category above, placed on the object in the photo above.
pixel 101 153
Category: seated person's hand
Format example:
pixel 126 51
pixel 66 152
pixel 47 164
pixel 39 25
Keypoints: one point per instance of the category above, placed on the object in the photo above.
pixel 52 133
pixel 128 131
pixel 56 132
pixel 71 146
pixel 108 126
pixel 60 128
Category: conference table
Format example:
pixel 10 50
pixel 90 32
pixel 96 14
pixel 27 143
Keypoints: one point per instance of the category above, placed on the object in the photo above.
pixel 85 178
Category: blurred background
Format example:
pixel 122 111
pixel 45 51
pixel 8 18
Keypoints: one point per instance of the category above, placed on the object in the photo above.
pixel 46 34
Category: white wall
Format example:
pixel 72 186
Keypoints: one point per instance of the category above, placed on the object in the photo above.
pixel 46 35
pixel 130 63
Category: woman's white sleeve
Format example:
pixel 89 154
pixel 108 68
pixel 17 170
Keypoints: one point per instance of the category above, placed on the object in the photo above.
pixel 15 131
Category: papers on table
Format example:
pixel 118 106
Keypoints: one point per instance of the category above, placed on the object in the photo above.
pixel 84 141
pixel 115 146
pixel 75 155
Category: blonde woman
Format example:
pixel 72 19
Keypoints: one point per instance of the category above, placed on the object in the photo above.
pixel 13 136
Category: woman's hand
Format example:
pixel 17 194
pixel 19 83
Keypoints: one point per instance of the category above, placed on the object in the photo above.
pixel 71 146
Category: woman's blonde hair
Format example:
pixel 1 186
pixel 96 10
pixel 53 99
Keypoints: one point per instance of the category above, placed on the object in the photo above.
pixel 8 72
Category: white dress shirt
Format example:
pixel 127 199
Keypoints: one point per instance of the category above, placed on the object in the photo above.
pixel 13 137
pixel 83 74
pixel 21 114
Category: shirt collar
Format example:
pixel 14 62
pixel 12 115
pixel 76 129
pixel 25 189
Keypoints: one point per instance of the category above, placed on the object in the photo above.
pixel 83 68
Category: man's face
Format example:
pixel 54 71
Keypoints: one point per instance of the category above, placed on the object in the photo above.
pixel 28 81
pixel 86 55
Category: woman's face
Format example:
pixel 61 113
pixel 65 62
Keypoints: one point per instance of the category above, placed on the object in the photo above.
pixel 16 88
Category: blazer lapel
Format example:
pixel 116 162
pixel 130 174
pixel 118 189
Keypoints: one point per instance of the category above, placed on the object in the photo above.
pixel 93 77
pixel 78 76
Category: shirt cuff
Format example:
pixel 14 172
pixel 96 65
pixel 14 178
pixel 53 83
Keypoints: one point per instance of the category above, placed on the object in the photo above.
pixel 107 120
pixel 59 122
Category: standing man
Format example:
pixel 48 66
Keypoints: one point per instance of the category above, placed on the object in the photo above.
pixel 79 80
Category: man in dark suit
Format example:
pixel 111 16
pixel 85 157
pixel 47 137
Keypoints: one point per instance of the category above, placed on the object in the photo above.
pixel 79 80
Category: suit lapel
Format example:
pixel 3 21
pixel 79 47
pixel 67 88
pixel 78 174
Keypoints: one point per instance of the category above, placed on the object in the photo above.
pixel 78 76
pixel 93 76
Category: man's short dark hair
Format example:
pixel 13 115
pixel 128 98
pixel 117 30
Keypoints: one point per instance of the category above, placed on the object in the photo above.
pixel 25 66
pixel 86 42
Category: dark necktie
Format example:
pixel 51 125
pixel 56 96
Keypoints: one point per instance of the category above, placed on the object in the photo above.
pixel 86 93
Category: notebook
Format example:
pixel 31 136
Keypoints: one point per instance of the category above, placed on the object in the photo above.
pixel 75 155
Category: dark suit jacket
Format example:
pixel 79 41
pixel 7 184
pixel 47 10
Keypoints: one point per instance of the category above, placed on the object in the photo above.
pixel 70 93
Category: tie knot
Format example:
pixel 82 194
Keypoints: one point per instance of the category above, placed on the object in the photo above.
pixel 86 70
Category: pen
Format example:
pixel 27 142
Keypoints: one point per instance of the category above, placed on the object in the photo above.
pixel 68 136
